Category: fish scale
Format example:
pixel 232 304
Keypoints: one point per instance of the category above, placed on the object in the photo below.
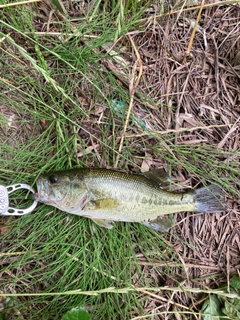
pixel 130 191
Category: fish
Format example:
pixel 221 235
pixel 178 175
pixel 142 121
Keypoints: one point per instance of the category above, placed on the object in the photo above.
pixel 106 196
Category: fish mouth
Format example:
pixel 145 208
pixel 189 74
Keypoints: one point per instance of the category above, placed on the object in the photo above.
pixel 42 194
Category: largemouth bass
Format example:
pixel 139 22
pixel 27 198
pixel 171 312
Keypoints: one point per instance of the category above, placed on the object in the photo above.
pixel 106 195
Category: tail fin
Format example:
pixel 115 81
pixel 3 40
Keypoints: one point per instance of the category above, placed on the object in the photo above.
pixel 209 199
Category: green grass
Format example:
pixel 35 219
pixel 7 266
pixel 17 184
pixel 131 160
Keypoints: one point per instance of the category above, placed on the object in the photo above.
pixel 54 253
pixel 57 90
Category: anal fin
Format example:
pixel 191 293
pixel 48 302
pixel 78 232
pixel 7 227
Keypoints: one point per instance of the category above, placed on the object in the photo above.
pixel 162 224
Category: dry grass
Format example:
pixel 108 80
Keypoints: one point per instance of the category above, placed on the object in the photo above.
pixel 191 102
pixel 203 91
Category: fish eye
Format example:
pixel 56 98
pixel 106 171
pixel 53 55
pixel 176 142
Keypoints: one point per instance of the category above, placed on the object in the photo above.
pixel 53 179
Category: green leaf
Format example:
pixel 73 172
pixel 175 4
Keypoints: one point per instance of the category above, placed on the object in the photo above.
pixel 235 283
pixel 211 309
pixel 2 316
pixel 232 306
pixel 232 310
pixel 58 6
pixel 76 314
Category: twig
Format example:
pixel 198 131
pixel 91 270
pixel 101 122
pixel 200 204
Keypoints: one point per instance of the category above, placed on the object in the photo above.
pixel 125 290
pixel 6 5
pixel 193 32
pixel 219 3
pixel 234 127
pixel 157 297
pixel 216 68
pixel 154 133
pixel 132 90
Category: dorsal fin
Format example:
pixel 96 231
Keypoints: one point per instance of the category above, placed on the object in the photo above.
pixel 159 176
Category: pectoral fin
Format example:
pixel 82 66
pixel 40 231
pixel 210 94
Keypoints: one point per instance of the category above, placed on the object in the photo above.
pixel 160 224
pixel 159 176
pixel 103 223
pixel 104 204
